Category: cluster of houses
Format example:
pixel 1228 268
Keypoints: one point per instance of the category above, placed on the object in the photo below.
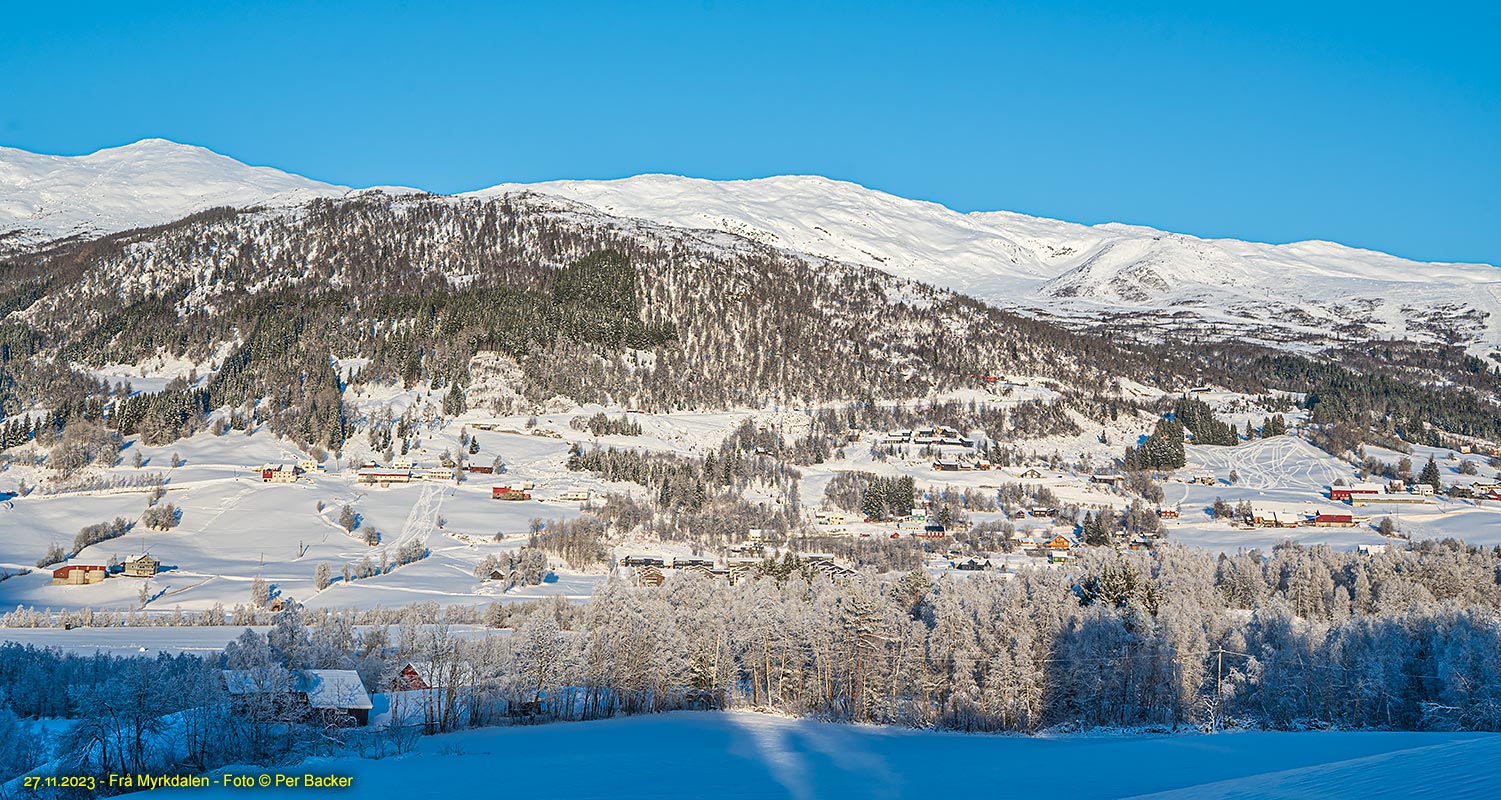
pixel 939 435
pixel 651 570
pixel 1486 491
pixel 1055 548
pixel 523 491
pixel 143 566
pixel 288 473
pixel 404 470
pixel 961 464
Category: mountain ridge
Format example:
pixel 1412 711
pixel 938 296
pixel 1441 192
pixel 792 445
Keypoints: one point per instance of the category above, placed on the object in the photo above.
pixel 1311 292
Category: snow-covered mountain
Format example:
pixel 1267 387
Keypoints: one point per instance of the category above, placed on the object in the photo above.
pixel 1304 293
pixel 1314 291
pixel 150 182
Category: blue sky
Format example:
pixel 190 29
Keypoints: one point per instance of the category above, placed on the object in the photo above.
pixel 1373 125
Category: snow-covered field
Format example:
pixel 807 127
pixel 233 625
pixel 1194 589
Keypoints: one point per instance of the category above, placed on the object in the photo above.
pixel 742 754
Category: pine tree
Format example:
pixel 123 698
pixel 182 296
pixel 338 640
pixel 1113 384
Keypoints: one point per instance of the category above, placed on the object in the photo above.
pixel 1430 474
pixel 453 401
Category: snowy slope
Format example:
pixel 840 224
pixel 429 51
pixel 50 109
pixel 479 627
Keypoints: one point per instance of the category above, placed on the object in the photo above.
pixel 1317 290
pixel 147 183
pixel 746 755
pixel 1305 292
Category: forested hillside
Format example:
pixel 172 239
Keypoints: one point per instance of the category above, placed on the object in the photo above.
pixel 588 308
pixel 597 309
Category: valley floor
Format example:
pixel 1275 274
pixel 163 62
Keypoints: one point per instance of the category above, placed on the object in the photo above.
pixel 742 754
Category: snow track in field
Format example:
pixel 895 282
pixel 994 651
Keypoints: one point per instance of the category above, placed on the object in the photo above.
pixel 1281 462
pixel 422 522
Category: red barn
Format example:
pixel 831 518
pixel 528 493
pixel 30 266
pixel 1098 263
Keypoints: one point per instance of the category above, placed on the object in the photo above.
pixel 1338 493
pixel 78 574
pixel 1334 520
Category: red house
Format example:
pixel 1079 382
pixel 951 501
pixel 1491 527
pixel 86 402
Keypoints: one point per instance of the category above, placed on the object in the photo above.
pixel 507 493
pixel 1338 493
pixel 1334 520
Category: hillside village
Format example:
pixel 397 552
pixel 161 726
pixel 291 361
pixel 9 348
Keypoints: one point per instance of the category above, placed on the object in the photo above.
pixel 200 530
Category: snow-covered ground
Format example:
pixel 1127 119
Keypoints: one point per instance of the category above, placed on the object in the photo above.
pixel 234 527
pixel 742 754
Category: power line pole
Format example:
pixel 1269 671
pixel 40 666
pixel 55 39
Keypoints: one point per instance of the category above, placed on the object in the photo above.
pixel 1219 671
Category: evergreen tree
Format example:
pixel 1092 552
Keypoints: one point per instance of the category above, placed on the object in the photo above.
pixel 1430 474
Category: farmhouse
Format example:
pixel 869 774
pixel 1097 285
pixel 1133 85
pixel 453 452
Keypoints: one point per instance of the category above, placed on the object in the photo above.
pixel 416 676
pixel 742 568
pixel 78 574
pixel 1385 499
pixel 830 518
pixel 335 693
pixel 279 473
pixel 507 493
pixel 1334 520
pixel 1348 493
pixel 1059 542
pixel 332 694
pixel 1167 513
pixel 643 561
pixel 439 474
pixel 972 565
pixel 385 476
pixel 931 532
pixel 143 567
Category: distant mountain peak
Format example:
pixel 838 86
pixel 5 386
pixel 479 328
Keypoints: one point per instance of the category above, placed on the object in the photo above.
pixel 143 183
